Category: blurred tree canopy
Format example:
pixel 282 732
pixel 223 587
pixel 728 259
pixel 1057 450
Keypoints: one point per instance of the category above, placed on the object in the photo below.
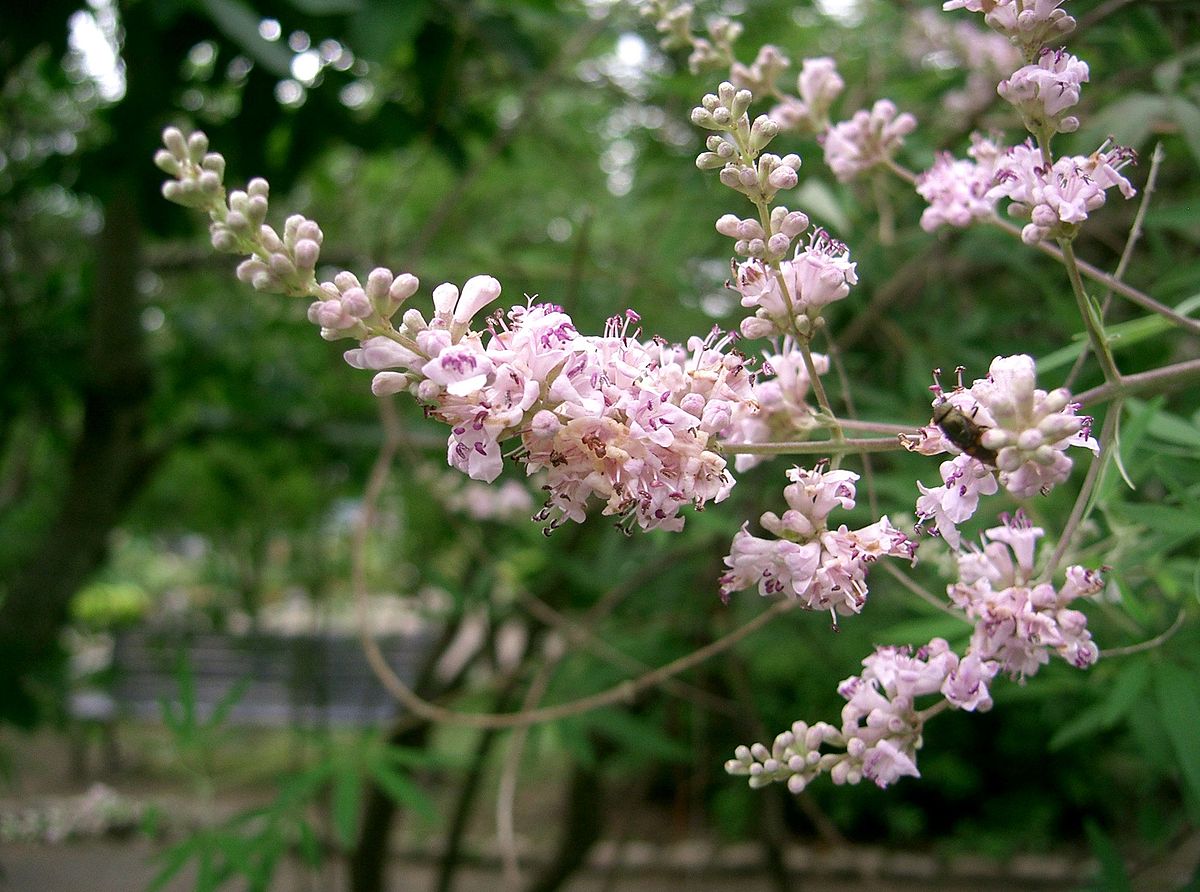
pixel 146 390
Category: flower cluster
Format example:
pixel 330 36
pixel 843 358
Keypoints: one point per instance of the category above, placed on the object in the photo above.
pixel 868 139
pixel 632 424
pixel 1045 91
pixel 881 725
pixel 825 568
pixel 1029 24
pixel 958 190
pixel 1057 199
pixel 778 409
pixel 610 417
pixel 818 84
pixel 1019 621
pixel 1001 424
pixel 791 295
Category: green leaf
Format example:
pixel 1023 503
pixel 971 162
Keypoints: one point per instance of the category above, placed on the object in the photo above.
pixel 1164 518
pixel 1187 116
pixel 383 31
pixel 239 23
pixel 403 791
pixel 1122 335
pixel 347 793
pixel 1126 689
pixel 818 198
pixel 1178 692
pixel 1129 120
pixel 228 700
pixel 636 734
pixel 307 843
pixel 173 861
pixel 1113 876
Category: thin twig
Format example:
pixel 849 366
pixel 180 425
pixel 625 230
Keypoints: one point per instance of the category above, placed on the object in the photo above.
pixel 1156 380
pixel 581 635
pixel 1135 233
pixel 506 795
pixel 1149 644
pixel 923 593
pixel 835 359
pixel 815 447
pixel 1082 500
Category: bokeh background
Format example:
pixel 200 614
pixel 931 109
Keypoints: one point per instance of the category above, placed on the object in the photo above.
pixel 182 460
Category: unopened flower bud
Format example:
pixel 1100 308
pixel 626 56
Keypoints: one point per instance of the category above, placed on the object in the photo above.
pixel 356 302
pixel 403 287
pixel 166 162
pixel 346 280
pixel 709 161
pixel 215 162
pixel 307 251
pixel 413 321
pixel 793 224
pixel 258 186
pixel 387 383
pixel 783 178
pixel 445 296
pixel 281 266
pixel 210 184
pixel 223 240
pixel 729 225
pixel 270 239
pixel 175 143
pixel 477 293
pixel 762 132
pixel 197 146
pixel 778 244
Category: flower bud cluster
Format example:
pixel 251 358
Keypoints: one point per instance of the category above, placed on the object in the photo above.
pixel 674 21
pixel 1045 91
pixel 754 241
pixel 958 189
pixel 1002 424
pixel 198 173
pixel 881 727
pixel 791 295
pixel 1029 24
pixel 868 139
pixel 280 265
pixel 824 568
pixel 760 76
pixel 1058 199
pixel 346 306
pixel 777 409
pixel 1019 621
pixel 757 176
pixel 819 84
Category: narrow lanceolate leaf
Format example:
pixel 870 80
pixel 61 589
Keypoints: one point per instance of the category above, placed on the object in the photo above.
pixel 1178 696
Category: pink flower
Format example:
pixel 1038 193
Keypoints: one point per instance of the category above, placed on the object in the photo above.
pixel 824 568
pixel 866 140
